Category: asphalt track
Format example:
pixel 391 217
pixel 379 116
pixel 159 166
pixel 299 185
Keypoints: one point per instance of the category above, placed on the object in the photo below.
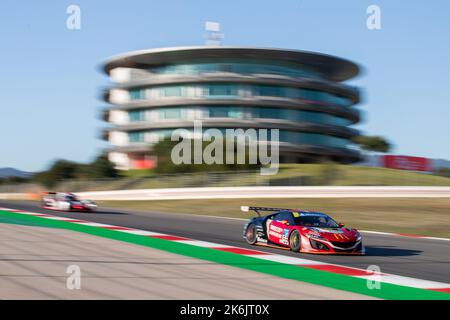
pixel 411 257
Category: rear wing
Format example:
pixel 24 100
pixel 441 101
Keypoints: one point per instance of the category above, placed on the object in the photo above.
pixel 258 209
pixel 48 194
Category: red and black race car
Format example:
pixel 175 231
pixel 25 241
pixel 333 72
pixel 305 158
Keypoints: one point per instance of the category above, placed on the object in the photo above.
pixel 65 201
pixel 301 231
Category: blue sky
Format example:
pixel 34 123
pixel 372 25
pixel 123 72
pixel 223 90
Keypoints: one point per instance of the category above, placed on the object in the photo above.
pixel 50 76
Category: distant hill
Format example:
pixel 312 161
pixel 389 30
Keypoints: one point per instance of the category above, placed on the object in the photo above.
pixel 11 172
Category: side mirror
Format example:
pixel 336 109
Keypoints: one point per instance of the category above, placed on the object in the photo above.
pixel 341 225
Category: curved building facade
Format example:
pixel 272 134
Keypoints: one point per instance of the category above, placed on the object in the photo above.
pixel 300 93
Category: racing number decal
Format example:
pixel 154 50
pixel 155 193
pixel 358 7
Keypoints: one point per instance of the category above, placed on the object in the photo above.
pixel 285 237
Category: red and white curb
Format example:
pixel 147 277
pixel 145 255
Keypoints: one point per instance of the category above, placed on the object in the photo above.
pixel 307 263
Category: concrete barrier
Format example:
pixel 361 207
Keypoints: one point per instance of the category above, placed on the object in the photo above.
pixel 265 192
pixel 257 192
pixel 15 196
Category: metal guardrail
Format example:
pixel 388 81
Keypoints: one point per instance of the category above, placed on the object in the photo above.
pixel 186 180
pixel 250 178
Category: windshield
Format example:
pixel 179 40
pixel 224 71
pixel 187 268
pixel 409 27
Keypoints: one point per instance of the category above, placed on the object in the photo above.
pixel 70 197
pixel 318 221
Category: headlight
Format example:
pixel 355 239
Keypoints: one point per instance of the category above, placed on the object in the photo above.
pixel 314 236
pixel 358 238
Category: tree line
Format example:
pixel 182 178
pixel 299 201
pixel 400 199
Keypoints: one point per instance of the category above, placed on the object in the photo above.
pixel 101 167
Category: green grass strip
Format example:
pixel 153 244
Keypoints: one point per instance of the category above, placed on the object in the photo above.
pixel 322 278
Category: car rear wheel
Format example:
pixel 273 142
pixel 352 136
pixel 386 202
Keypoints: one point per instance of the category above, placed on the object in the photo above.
pixel 294 241
pixel 250 234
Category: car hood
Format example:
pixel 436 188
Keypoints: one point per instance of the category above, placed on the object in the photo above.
pixel 334 234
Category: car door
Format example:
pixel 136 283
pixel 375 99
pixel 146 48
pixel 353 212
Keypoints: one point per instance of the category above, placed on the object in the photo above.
pixel 279 227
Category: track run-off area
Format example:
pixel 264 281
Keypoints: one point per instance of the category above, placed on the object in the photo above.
pixel 407 265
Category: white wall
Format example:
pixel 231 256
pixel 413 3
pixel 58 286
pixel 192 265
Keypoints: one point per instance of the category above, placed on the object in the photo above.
pixel 118 117
pixel 120 75
pixel 121 160
pixel 118 138
pixel 118 96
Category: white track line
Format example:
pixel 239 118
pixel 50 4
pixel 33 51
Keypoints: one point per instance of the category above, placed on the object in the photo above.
pixel 286 259
pixel 404 236
pixel 142 232
pixel 204 244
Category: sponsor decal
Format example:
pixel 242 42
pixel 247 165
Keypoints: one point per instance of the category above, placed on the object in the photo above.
pixel 406 163
pixel 327 230
pixel 275 234
pixel 275 228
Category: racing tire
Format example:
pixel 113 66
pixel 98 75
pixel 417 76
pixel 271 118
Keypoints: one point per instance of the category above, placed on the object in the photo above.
pixel 250 234
pixel 294 241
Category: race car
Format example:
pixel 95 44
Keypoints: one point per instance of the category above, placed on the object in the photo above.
pixel 65 201
pixel 301 231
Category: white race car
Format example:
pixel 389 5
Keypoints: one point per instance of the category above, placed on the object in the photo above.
pixel 65 201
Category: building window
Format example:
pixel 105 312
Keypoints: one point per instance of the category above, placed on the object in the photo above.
pixel 136 94
pixel 136 115
pixel 171 113
pixel 136 136
pixel 235 113
pixel 225 112
pixel 218 112
pixel 314 95
pixel 222 90
pixel 312 139
pixel 270 91
pixel 234 90
pixel 241 66
pixel 315 117
pixel 270 113
pixel 172 91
